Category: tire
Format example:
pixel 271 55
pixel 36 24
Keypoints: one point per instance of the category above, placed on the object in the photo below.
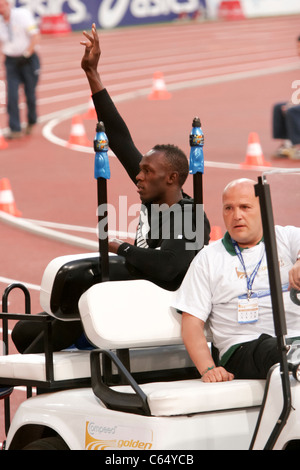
pixel 48 443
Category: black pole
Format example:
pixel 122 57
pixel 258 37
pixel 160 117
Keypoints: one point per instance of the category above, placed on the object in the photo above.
pixel 196 166
pixel 198 188
pixel 262 190
pixel 102 173
pixel 103 237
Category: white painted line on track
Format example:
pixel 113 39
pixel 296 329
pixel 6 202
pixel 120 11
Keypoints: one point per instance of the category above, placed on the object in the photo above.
pixel 37 228
pixel 49 233
pixel 79 228
pixel 75 228
pixel 48 129
pixel 7 280
pixel 48 133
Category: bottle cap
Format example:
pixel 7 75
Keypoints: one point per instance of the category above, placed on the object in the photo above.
pixel 100 127
pixel 196 122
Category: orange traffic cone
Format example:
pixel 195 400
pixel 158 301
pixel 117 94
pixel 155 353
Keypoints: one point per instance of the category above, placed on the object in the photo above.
pixel 254 156
pixel 91 112
pixel 78 135
pixel 3 143
pixel 215 233
pixel 159 91
pixel 7 202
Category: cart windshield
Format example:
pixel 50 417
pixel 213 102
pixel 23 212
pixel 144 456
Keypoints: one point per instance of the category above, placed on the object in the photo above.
pixel 285 193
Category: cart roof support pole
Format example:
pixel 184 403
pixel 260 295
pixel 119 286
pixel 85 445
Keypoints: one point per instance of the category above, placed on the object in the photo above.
pixel 262 190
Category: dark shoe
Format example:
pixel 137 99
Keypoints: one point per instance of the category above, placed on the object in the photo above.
pixel 283 150
pixel 14 135
pixel 5 392
pixel 294 153
pixel 28 129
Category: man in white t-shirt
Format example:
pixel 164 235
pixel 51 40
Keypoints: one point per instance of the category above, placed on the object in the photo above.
pixel 19 37
pixel 227 285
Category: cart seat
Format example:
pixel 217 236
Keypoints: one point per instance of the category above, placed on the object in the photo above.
pixel 67 365
pixel 187 397
pixel 72 367
pixel 130 314
pixel 139 314
pixel 64 280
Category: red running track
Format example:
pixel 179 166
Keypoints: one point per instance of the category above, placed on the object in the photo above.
pixel 228 73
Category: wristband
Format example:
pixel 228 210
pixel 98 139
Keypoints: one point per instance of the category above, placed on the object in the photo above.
pixel 207 370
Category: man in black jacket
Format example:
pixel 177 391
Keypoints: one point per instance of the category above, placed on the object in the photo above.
pixel 159 176
pixel 166 240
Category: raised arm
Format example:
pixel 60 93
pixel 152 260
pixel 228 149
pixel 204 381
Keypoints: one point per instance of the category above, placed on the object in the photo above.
pixel 197 347
pixel 120 140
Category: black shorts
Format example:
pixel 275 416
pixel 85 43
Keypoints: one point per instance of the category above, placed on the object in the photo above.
pixel 252 360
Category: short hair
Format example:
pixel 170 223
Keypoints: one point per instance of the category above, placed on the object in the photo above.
pixel 177 160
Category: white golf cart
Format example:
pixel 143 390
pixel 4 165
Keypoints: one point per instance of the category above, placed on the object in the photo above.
pixel 137 389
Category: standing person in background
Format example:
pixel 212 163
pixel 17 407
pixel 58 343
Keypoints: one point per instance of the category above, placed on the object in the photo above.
pixel 19 36
pixel 286 126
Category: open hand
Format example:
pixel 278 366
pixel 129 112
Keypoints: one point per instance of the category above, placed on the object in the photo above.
pixel 92 51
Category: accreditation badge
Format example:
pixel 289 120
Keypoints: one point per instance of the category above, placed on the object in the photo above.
pixel 248 309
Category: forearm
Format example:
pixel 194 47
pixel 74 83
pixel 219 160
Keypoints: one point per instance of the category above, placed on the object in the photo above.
pixel 197 347
pixel 33 43
pixel 195 342
pixel 119 137
pixel 94 81
pixel 165 264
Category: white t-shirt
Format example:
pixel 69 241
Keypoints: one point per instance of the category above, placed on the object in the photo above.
pixel 16 34
pixel 216 279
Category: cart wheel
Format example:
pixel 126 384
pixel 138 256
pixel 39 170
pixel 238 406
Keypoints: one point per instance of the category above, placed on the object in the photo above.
pixel 48 443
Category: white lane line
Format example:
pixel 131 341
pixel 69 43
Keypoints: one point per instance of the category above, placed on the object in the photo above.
pixel 18 222
pixel 79 228
pixel 7 280
pixel 48 130
pixel 48 133
pixel 181 79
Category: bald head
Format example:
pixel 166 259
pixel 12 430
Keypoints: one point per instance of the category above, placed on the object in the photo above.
pixel 239 183
pixel 241 212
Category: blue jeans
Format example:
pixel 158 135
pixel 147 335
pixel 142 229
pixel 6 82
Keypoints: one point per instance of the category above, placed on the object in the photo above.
pixel 286 125
pixel 21 71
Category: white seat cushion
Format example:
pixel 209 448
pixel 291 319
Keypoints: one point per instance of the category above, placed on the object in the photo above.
pixel 122 314
pixel 66 364
pixel 194 396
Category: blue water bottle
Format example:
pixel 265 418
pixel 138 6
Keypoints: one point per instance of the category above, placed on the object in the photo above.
pixel 102 169
pixel 196 143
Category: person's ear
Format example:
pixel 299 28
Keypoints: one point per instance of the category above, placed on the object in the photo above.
pixel 173 177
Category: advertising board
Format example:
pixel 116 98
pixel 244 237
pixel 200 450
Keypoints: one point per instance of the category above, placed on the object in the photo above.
pixel 114 13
